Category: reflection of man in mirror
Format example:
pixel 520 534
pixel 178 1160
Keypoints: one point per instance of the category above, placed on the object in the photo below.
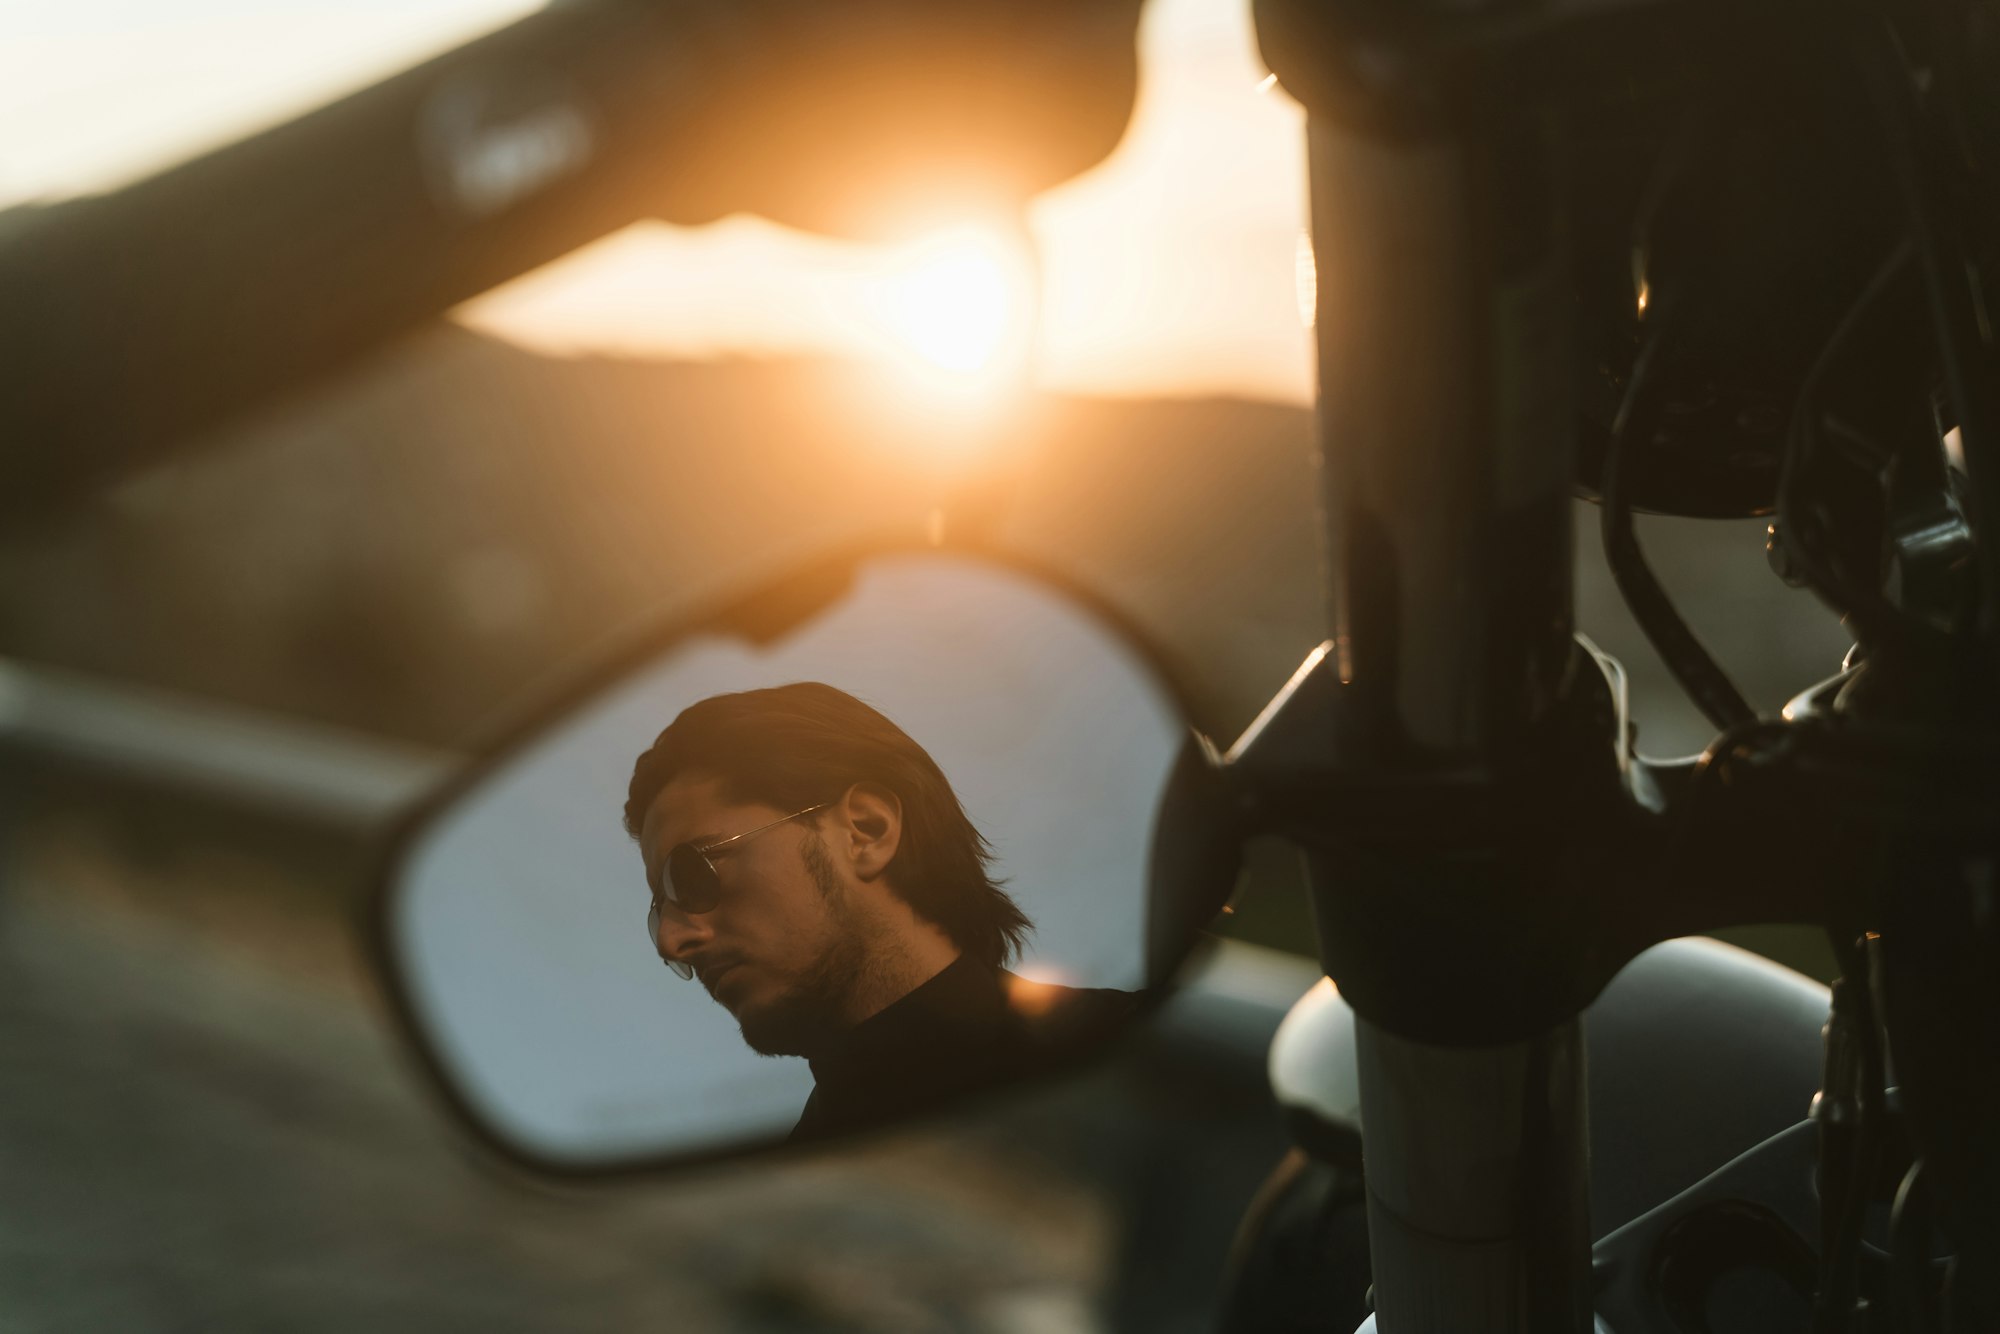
pixel 810 864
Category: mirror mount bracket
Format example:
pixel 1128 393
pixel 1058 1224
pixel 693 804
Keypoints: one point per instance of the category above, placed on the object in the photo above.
pixel 1459 903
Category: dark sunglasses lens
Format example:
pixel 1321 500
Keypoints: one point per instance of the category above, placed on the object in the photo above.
pixel 691 882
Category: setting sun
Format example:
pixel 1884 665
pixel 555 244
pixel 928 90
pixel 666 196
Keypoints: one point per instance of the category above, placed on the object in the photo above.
pixel 952 302
pixel 1170 268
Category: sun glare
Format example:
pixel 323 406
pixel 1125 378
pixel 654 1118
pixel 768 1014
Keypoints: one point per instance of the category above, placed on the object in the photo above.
pixel 957 304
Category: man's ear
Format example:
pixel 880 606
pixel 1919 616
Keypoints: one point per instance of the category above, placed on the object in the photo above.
pixel 873 819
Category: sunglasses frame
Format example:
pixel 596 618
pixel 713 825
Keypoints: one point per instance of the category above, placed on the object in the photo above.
pixel 668 891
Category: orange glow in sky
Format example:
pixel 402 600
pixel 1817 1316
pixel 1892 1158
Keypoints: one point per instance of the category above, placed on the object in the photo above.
pixel 950 302
pixel 1171 268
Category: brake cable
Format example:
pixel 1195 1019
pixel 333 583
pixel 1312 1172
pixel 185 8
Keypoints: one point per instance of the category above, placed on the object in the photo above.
pixel 1698 672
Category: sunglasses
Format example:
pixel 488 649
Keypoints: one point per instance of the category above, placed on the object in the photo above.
pixel 689 884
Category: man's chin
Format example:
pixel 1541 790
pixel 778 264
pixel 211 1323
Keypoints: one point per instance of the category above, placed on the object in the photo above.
pixel 775 1029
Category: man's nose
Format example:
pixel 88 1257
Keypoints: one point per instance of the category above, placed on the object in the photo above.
pixel 680 934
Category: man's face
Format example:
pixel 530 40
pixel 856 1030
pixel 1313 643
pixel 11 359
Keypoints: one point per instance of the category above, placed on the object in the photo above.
pixel 781 945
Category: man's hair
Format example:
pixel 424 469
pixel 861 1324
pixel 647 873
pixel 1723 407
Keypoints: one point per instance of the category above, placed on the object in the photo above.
pixel 796 745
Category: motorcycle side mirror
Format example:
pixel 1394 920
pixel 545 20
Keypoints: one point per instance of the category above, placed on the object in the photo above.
pixel 524 914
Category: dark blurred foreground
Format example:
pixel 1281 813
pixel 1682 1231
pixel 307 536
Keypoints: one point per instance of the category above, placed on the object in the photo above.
pixel 208 1127
pixel 207 1124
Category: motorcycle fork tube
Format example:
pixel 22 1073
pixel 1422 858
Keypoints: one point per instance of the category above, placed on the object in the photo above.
pixel 1476 1170
pixel 1445 435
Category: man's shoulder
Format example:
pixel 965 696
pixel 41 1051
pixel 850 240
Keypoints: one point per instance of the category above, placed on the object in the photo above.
pixel 1069 1017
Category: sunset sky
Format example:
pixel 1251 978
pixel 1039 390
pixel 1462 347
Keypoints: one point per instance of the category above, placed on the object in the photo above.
pixel 1171 268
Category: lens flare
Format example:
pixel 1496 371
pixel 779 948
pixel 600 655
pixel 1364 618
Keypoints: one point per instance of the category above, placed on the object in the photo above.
pixel 957 303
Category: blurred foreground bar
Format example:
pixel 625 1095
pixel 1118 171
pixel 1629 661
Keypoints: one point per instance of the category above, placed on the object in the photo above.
pixel 261 763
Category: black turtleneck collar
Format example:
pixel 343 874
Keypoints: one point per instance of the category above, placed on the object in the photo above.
pixel 955 1033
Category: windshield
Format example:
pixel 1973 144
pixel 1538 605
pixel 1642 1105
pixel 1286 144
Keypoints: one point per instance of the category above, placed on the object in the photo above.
pixel 1172 268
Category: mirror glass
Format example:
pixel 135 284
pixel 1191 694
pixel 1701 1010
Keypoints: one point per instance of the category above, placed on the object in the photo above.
pixel 516 915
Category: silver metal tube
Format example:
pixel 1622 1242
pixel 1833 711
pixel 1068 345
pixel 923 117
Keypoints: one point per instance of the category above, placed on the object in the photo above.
pixel 1446 421
pixel 1477 1171
pixel 1446 437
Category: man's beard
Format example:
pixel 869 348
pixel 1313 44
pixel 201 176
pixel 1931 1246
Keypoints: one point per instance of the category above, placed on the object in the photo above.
pixel 802 1020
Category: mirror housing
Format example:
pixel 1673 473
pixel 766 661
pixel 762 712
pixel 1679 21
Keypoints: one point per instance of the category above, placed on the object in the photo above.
pixel 506 925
